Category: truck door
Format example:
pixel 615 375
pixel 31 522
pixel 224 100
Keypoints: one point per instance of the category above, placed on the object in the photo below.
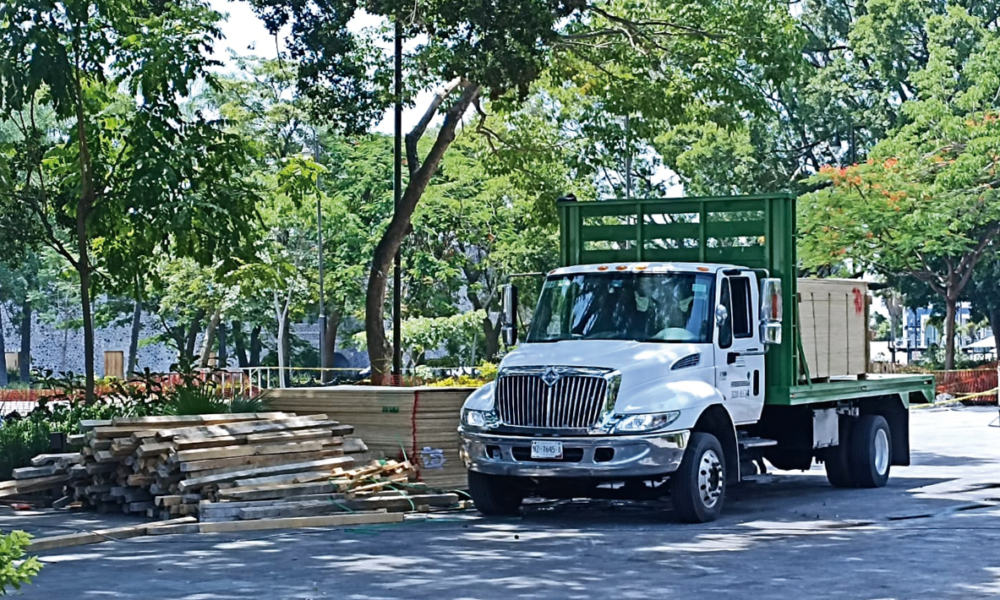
pixel 739 360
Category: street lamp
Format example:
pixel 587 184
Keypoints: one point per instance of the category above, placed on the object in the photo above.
pixel 307 153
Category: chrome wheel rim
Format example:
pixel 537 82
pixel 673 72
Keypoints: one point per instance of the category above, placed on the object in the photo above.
pixel 881 452
pixel 711 479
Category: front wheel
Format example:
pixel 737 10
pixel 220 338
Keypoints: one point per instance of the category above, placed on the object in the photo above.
pixel 698 487
pixel 495 495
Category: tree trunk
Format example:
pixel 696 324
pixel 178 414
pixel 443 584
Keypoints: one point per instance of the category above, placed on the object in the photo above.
pixel 379 352
pixel 951 305
pixel 994 317
pixel 255 346
pixel 286 349
pixel 192 336
pixel 209 341
pixel 281 314
pixel 3 354
pixel 330 341
pixel 133 340
pixel 25 355
pixel 491 335
pixel 222 360
pixel 241 345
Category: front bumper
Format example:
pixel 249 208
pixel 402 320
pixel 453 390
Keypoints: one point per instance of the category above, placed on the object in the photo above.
pixel 608 457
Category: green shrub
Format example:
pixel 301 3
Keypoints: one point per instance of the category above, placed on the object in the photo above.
pixel 207 399
pixel 15 570
pixel 20 441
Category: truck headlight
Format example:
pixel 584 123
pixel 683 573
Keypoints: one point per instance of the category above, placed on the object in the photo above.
pixel 646 423
pixel 478 419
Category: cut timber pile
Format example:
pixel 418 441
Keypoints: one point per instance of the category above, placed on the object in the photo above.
pixel 379 486
pixel 419 424
pixel 165 466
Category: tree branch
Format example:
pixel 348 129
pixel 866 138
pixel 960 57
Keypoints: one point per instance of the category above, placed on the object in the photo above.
pixel 413 138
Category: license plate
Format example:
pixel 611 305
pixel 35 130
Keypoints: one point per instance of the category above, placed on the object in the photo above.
pixel 546 449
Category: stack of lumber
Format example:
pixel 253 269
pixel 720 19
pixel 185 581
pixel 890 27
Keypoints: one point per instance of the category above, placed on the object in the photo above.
pixel 419 424
pixel 383 485
pixel 165 466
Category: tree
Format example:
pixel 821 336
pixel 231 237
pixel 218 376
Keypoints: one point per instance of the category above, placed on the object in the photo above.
pixel 926 203
pixel 858 65
pixel 132 166
pixel 982 293
pixel 472 50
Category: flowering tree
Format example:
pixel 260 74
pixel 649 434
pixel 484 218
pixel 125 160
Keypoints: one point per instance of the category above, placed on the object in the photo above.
pixel 927 204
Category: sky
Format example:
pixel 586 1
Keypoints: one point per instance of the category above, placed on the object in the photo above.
pixel 245 34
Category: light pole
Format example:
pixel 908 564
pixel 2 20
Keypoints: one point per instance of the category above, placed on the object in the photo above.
pixel 319 236
pixel 397 188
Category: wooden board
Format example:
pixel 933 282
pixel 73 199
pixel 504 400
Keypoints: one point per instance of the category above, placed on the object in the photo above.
pixel 101 535
pixel 833 323
pixel 420 423
pixel 292 523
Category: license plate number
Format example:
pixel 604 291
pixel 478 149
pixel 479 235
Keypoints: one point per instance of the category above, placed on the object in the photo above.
pixel 546 449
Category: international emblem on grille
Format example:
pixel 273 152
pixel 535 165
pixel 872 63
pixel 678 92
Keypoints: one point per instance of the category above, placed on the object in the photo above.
pixel 551 377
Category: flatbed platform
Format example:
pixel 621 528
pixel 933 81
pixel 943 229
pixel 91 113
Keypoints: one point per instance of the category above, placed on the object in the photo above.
pixel 916 389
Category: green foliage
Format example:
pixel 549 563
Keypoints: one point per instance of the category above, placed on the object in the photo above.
pixel 455 334
pixel 20 441
pixel 15 569
pixel 925 204
pixel 486 373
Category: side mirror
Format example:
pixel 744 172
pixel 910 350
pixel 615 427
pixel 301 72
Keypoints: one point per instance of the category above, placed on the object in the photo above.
pixel 771 310
pixel 509 315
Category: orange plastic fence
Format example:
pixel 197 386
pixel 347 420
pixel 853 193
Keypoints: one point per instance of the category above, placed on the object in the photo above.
pixel 968 381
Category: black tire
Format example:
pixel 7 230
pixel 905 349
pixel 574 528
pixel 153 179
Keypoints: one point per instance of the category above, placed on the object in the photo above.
pixel 837 459
pixel 871 451
pixel 495 495
pixel 691 502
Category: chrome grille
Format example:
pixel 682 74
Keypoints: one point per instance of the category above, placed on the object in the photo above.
pixel 572 402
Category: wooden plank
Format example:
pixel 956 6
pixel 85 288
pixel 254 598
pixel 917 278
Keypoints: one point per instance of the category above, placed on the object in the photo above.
pixel 101 535
pixel 104 433
pixel 44 460
pixel 339 461
pixel 250 450
pixel 289 436
pixel 91 424
pixel 35 472
pixel 289 478
pixel 227 465
pixel 310 422
pixel 155 449
pixel 270 492
pixel 396 503
pixel 299 522
pixel 195 420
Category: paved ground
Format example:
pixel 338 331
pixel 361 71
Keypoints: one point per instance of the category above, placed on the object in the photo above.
pixel 934 532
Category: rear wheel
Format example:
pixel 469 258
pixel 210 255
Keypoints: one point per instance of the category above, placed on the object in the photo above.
pixel 495 495
pixel 698 487
pixel 871 451
pixel 837 459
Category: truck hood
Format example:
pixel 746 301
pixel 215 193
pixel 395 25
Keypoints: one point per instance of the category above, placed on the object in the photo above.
pixel 640 363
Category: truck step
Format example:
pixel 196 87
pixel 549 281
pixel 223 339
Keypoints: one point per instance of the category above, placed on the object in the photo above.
pixel 756 442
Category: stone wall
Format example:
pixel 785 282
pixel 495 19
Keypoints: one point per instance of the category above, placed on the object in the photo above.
pixel 61 349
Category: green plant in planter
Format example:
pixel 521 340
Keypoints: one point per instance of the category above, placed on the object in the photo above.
pixel 15 570
pixel 20 441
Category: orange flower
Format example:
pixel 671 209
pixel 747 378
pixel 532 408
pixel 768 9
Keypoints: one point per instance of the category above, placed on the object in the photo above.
pixel 890 163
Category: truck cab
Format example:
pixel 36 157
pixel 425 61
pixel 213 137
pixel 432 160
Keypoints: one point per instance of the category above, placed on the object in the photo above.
pixel 642 378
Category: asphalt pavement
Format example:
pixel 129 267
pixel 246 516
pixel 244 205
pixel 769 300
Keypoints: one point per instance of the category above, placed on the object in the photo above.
pixel 933 532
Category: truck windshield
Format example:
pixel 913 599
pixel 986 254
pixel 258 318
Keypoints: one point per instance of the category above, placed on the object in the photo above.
pixel 644 307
